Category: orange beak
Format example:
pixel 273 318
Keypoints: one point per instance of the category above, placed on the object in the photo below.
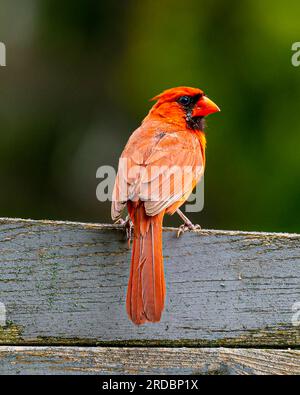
pixel 204 107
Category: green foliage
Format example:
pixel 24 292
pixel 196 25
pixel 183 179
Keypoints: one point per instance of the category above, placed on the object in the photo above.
pixel 78 79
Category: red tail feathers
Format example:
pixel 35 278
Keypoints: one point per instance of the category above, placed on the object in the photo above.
pixel 146 286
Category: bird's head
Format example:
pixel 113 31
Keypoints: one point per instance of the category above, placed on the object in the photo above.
pixel 184 105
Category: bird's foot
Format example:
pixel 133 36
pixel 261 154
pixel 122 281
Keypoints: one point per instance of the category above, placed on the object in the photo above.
pixel 128 226
pixel 187 224
pixel 187 227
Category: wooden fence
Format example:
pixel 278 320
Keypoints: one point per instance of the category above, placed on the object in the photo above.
pixel 232 305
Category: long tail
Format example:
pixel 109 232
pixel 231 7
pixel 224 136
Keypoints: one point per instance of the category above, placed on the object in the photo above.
pixel 146 287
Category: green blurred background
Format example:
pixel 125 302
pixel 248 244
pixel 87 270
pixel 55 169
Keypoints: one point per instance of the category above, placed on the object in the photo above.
pixel 79 77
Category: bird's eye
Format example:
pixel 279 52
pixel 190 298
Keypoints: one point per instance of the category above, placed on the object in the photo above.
pixel 185 100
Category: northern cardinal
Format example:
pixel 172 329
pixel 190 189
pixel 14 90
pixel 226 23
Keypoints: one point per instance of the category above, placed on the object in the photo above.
pixel 158 169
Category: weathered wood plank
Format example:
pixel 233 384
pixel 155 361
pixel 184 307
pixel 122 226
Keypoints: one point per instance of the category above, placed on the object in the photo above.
pixel 102 360
pixel 65 283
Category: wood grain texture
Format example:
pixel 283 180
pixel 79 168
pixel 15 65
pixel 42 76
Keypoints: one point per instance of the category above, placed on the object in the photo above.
pixel 65 283
pixel 103 360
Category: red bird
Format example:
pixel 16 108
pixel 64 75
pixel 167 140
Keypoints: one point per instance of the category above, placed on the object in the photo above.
pixel 158 169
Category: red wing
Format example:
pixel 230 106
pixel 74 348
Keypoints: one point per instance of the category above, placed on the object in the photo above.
pixel 158 168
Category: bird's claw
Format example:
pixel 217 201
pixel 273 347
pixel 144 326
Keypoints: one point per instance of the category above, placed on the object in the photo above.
pixel 187 227
pixel 128 226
